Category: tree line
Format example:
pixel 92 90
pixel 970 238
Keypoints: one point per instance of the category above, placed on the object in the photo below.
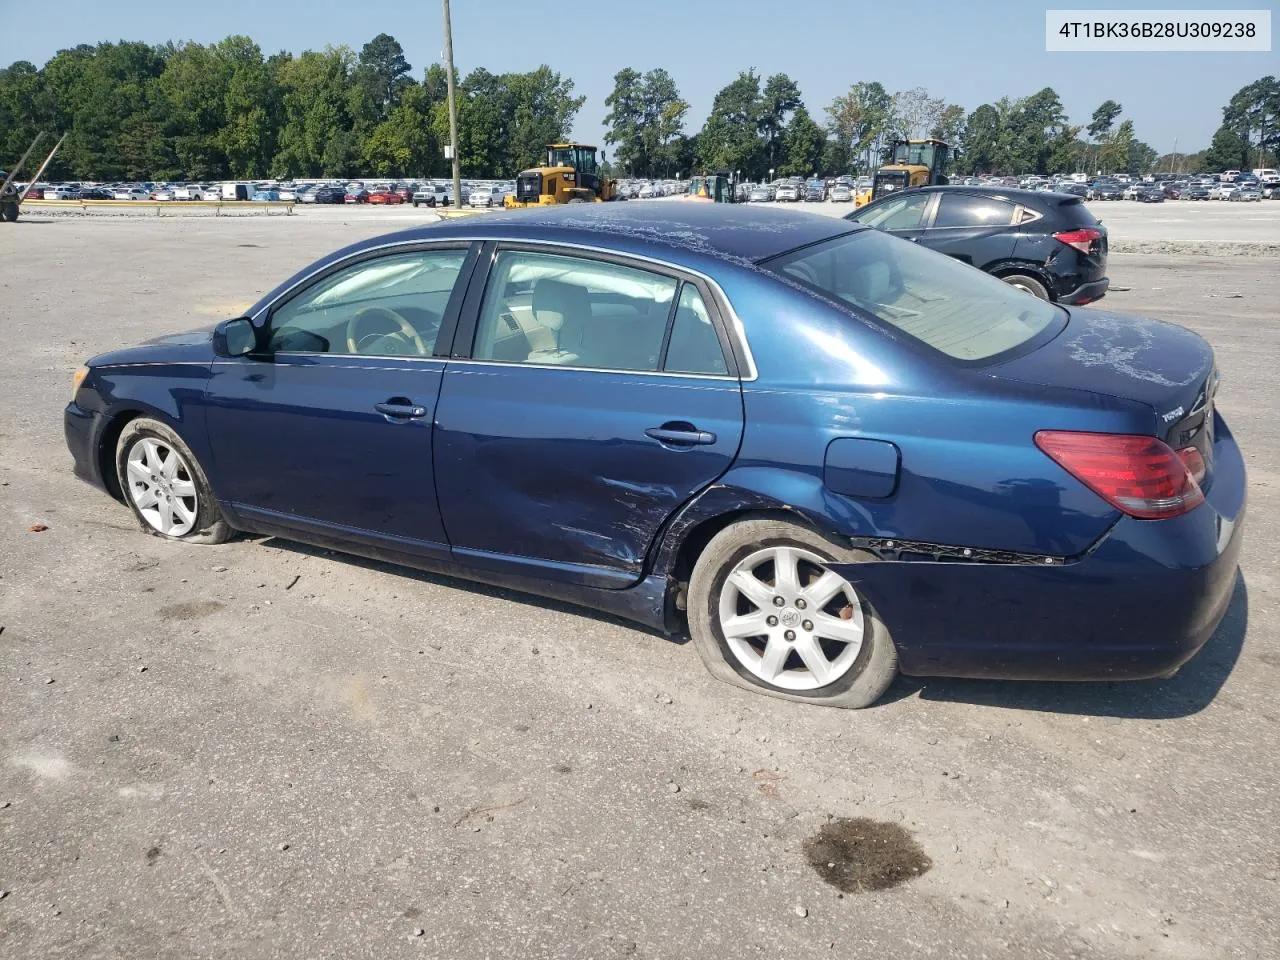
pixel 226 111
pixel 761 127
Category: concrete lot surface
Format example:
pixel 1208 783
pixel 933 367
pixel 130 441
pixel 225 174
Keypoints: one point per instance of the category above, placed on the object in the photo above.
pixel 259 750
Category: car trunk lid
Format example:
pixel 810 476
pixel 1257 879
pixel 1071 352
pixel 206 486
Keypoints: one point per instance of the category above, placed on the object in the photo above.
pixel 1166 367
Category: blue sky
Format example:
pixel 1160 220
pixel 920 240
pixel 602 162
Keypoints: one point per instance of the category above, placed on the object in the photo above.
pixel 966 52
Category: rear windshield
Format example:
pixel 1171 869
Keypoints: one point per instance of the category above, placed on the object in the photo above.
pixel 954 308
pixel 1076 214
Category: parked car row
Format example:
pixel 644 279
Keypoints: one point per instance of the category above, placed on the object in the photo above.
pixel 477 193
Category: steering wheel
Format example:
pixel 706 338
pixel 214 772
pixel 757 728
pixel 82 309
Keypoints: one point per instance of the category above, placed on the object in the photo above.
pixel 406 329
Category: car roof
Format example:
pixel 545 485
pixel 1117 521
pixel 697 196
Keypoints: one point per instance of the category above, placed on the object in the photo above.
pixel 1013 194
pixel 723 231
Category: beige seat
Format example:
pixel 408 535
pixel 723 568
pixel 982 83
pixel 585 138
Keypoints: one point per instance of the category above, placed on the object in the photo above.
pixel 564 309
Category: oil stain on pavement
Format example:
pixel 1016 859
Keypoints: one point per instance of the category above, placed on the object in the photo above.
pixel 858 854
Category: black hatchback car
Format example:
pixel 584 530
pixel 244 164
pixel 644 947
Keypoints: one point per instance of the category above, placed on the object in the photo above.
pixel 1048 244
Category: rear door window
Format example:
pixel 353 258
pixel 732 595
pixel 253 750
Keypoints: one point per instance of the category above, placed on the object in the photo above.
pixel 556 310
pixel 694 346
pixel 969 210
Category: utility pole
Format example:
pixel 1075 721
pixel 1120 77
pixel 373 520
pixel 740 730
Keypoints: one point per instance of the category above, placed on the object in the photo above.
pixel 453 108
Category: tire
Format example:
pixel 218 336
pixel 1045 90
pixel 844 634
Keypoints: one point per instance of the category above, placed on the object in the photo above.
pixel 1027 284
pixel 9 212
pixel 193 517
pixel 858 674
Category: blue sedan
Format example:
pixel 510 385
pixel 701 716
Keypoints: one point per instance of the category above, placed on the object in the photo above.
pixel 826 454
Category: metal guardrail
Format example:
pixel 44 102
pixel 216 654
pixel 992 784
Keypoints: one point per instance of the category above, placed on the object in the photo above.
pixel 161 205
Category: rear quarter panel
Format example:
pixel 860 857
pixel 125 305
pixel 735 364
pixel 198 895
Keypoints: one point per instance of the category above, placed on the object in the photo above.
pixel 970 473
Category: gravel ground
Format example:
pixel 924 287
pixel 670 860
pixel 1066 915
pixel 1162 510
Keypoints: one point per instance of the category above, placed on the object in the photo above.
pixel 260 750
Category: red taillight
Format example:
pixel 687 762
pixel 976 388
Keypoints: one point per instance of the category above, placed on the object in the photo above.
pixel 1081 239
pixel 1141 476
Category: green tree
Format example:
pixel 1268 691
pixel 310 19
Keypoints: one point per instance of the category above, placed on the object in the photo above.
pixel 1114 155
pixel 1228 151
pixel 859 120
pixel 1254 114
pixel 404 144
pixel 663 119
pixel 1142 158
pixel 803 143
pixel 1104 119
pixel 1037 128
pixel 1100 126
pixel 25 108
pixel 194 87
pixel 383 72
pixel 315 138
pixel 950 125
pixel 780 97
pixel 981 143
pixel 544 110
pixel 729 140
pixel 625 121
pixel 252 108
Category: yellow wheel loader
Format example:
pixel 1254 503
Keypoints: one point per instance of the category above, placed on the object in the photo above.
pixel 914 163
pixel 572 175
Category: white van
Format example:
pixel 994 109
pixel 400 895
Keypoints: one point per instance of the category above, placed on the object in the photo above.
pixel 236 191
pixel 1266 174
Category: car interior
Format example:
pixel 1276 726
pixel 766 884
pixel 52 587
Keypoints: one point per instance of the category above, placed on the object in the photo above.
pixel 392 306
pixel 576 313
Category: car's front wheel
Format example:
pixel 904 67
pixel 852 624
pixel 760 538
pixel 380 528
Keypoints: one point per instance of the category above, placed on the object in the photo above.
pixel 165 486
pixel 765 613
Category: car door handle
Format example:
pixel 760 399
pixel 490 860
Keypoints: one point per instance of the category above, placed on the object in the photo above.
pixel 681 437
pixel 400 409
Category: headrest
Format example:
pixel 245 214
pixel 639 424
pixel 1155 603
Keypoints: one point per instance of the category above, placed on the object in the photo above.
pixel 554 300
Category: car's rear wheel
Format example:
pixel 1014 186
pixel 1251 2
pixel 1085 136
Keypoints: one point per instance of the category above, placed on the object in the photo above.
pixel 165 486
pixel 9 212
pixel 1027 285
pixel 766 614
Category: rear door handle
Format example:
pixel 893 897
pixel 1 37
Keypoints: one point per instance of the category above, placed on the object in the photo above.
pixel 399 409
pixel 682 438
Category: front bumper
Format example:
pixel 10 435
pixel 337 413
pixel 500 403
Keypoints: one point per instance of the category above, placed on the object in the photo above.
pixel 83 431
pixel 1138 605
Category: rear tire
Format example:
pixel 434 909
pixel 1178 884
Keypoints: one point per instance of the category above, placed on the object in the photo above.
pixel 165 486
pixel 9 212
pixel 834 628
pixel 1027 284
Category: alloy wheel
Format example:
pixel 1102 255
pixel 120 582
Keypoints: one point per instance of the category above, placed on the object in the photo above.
pixel 789 621
pixel 162 487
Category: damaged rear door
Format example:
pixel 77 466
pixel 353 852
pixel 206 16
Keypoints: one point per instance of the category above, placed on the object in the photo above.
pixel 588 398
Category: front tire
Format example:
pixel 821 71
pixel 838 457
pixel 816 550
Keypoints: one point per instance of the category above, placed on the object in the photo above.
pixel 165 486
pixel 822 644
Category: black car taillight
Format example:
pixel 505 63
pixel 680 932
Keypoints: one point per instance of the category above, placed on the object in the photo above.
pixel 1081 239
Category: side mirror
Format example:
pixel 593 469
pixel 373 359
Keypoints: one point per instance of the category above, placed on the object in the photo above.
pixel 235 338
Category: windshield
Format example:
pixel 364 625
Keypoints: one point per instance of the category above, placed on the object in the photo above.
pixel 947 305
pixel 914 154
